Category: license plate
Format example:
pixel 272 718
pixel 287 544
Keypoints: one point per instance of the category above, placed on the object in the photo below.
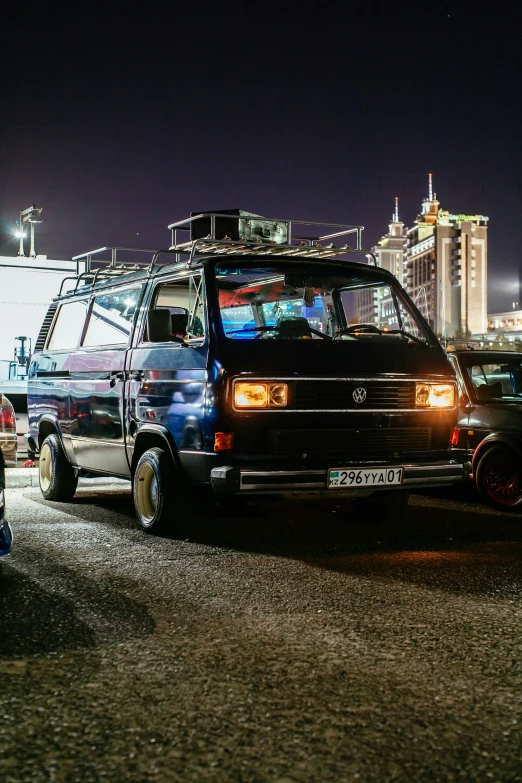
pixel 348 478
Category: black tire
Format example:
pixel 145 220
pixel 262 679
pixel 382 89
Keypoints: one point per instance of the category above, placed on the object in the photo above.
pixel 161 498
pixel 499 478
pixel 381 508
pixel 58 481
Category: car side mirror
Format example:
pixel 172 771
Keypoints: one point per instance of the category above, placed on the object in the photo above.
pixel 464 401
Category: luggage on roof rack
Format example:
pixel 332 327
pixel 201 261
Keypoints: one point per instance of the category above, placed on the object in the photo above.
pixel 240 233
pixel 238 225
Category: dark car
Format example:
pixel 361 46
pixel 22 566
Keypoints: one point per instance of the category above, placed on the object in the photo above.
pixel 247 366
pixel 490 422
pixel 6 535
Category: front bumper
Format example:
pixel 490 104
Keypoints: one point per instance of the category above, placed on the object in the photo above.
pixel 232 480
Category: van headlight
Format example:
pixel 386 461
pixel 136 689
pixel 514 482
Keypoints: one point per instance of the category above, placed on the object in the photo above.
pixel 434 395
pixel 260 395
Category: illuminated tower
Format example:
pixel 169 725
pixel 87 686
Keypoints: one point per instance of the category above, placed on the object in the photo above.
pixel 375 307
pixel 389 251
pixel 445 268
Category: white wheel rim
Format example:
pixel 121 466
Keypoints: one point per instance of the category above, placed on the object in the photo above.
pixel 45 466
pixel 146 493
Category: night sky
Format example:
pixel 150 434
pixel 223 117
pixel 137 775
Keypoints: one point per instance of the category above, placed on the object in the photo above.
pixel 119 121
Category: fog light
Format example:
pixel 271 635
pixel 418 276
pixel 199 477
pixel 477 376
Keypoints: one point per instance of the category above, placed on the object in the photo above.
pixel 277 395
pixel 422 394
pixel 223 441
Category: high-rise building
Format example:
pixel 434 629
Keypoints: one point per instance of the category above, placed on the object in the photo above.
pixel 445 268
pixel 375 306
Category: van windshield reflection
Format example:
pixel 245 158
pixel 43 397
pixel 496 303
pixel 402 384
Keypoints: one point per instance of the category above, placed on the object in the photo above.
pixel 314 302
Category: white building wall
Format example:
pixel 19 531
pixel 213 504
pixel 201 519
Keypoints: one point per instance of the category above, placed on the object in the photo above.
pixel 25 295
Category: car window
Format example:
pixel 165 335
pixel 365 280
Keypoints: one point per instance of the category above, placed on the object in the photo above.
pixel 68 325
pixel 112 317
pixel 497 380
pixel 176 313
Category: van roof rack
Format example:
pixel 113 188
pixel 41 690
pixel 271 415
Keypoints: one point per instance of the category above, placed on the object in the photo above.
pixel 247 238
pixel 108 268
pixel 246 233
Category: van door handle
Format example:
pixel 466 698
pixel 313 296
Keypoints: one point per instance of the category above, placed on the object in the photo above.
pixel 115 377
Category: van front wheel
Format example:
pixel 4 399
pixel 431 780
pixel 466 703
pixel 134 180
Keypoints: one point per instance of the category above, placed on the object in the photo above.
pixel 160 499
pixel 58 480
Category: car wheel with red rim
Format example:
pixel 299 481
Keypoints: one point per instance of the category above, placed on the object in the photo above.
pixel 499 478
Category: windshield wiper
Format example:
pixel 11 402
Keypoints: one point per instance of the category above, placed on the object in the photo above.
pixel 354 329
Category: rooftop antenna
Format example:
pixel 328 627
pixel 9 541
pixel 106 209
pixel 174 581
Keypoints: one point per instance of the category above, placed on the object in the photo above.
pixel 396 213
pixel 430 188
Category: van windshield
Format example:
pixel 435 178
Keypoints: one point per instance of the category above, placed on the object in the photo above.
pixel 299 301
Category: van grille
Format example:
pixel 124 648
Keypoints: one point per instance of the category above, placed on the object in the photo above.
pixel 337 395
pixel 350 444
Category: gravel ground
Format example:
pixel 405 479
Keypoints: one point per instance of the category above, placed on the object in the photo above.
pixel 282 643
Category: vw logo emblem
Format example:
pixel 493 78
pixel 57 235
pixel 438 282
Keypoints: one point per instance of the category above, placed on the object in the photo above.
pixel 359 394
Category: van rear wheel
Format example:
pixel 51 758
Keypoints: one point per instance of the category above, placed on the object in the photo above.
pixel 381 508
pixel 58 480
pixel 160 499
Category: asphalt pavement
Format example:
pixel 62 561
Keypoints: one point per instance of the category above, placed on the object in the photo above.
pixel 281 643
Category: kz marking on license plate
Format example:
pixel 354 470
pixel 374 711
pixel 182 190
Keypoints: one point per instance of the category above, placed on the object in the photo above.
pixel 346 478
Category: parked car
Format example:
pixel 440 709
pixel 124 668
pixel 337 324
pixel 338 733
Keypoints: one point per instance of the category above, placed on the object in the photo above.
pixel 490 422
pixel 248 366
pixel 16 393
pixel 8 437
pixel 6 535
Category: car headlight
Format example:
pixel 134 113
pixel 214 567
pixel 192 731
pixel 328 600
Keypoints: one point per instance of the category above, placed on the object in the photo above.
pixel 260 395
pixel 434 395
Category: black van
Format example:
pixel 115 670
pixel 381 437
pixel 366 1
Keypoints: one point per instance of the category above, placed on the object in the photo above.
pixel 262 361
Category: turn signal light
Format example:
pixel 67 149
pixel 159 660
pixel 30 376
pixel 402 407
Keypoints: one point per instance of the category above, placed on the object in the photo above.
pixel 455 435
pixel 223 441
pixel 434 395
pixel 260 395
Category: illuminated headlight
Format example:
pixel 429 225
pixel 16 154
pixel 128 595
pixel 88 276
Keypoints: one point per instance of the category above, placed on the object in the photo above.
pixel 260 395
pixel 435 395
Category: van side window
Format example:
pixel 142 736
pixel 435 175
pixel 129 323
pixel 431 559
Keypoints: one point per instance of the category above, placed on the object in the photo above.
pixel 68 326
pixel 176 312
pixel 111 319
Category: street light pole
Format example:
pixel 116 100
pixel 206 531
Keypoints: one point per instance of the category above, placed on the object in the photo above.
pixel 30 215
